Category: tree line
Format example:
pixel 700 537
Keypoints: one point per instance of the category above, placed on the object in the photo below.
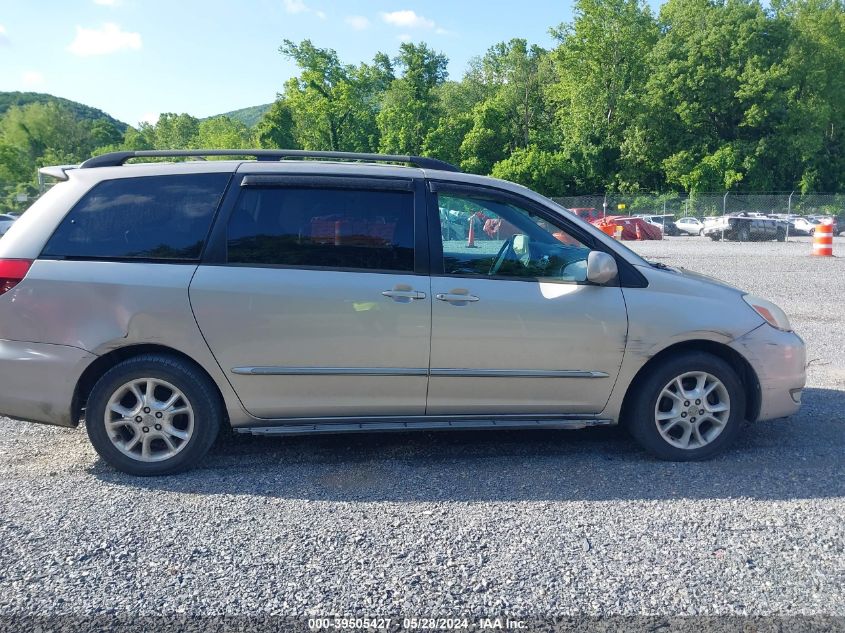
pixel 708 95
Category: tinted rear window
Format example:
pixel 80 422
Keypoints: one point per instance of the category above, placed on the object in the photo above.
pixel 340 229
pixel 155 217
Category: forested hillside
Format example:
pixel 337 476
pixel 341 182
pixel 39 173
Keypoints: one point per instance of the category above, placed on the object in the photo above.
pixel 248 116
pixel 79 110
pixel 709 95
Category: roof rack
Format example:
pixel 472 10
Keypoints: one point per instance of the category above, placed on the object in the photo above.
pixel 115 159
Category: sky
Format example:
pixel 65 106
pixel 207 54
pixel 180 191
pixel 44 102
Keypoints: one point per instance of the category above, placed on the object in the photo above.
pixel 137 58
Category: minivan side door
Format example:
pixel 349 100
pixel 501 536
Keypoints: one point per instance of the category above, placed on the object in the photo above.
pixel 315 298
pixel 516 328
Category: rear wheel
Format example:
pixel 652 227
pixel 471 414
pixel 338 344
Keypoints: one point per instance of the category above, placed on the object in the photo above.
pixel 688 408
pixel 153 415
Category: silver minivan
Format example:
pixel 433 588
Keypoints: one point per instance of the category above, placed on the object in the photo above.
pixel 339 292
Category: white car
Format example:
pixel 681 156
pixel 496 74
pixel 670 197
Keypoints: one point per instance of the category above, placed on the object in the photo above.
pixel 6 221
pixel 690 226
pixel 805 226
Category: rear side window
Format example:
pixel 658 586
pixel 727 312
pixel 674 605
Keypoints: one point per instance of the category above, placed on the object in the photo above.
pixel 154 217
pixel 325 228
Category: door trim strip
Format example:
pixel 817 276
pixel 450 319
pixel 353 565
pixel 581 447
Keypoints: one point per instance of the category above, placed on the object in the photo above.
pixel 413 371
pixel 517 373
pixel 330 371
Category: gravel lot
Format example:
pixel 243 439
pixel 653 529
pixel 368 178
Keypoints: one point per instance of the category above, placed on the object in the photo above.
pixel 528 525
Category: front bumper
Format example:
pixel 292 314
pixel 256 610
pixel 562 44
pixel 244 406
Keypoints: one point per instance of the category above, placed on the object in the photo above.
pixel 779 359
pixel 37 380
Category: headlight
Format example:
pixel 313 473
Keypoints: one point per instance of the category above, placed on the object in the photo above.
pixel 769 311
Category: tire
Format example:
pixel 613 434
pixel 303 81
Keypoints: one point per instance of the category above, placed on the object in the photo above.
pixel 154 440
pixel 647 400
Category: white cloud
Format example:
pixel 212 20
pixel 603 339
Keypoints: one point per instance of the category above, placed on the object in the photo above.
pixel 150 117
pixel 107 3
pixel 407 19
pixel 296 6
pixel 358 22
pixel 32 78
pixel 4 39
pixel 404 37
pixel 108 39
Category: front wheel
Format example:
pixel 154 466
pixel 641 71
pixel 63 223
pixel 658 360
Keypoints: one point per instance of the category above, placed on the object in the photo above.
pixel 688 408
pixel 153 415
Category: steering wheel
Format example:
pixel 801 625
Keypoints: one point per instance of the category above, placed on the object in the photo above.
pixel 501 256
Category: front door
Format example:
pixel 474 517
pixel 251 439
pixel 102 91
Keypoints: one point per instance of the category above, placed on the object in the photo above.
pixel 315 309
pixel 516 328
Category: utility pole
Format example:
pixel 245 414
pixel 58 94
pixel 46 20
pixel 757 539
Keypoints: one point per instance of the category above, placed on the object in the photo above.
pixel 788 213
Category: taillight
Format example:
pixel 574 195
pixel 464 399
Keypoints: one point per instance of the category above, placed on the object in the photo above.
pixel 12 272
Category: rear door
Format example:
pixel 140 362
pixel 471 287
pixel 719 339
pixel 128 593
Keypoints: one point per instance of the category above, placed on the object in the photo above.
pixel 315 297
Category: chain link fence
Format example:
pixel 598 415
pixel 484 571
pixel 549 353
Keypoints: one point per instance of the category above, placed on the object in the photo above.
pixel 702 205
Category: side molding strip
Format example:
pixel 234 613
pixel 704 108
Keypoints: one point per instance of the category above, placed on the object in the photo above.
pixel 412 371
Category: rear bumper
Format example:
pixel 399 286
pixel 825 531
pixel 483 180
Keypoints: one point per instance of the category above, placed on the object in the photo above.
pixel 779 359
pixel 37 380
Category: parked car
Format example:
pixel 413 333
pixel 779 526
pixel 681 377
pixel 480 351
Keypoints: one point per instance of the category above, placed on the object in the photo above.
pixel 6 221
pixel 666 223
pixel 160 302
pixel 825 219
pixel 745 228
pixel 690 226
pixel 803 226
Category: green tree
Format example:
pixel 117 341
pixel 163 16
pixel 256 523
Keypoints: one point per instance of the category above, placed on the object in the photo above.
pixel 409 106
pixel 548 173
pixel 174 131
pixel 275 129
pixel 601 70
pixel 221 132
pixel 333 105
pixel 716 95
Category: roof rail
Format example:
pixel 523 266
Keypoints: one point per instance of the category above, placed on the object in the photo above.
pixel 114 159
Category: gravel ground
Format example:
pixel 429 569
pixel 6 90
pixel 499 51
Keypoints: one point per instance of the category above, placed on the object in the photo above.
pixel 526 525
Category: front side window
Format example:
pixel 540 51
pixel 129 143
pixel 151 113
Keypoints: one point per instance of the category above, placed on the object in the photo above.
pixel 495 238
pixel 154 217
pixel 334 228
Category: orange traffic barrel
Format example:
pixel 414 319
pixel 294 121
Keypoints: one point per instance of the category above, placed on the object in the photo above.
pixel 823 240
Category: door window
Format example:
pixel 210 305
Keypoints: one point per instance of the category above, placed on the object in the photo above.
pixel 332 228
pixel 495 238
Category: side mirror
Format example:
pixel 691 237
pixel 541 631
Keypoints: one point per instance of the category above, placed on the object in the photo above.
pixel 601 268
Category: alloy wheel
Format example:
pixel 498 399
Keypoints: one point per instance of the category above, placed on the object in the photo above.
pixel 692 410
pixel 149 419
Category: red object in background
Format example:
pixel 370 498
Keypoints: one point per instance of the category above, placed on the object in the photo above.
pixel 630 225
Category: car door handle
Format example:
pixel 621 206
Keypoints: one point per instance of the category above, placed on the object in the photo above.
pixel 404 296
pixel 452 297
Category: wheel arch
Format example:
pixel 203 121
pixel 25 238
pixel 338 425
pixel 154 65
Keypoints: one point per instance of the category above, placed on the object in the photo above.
pixel 746 373
pixel 104 363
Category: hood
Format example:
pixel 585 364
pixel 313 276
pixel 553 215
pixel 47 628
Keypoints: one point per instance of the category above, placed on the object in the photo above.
pixel 685 275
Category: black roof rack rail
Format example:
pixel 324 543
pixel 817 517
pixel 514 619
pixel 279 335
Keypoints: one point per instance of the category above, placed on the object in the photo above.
pixel 115 159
